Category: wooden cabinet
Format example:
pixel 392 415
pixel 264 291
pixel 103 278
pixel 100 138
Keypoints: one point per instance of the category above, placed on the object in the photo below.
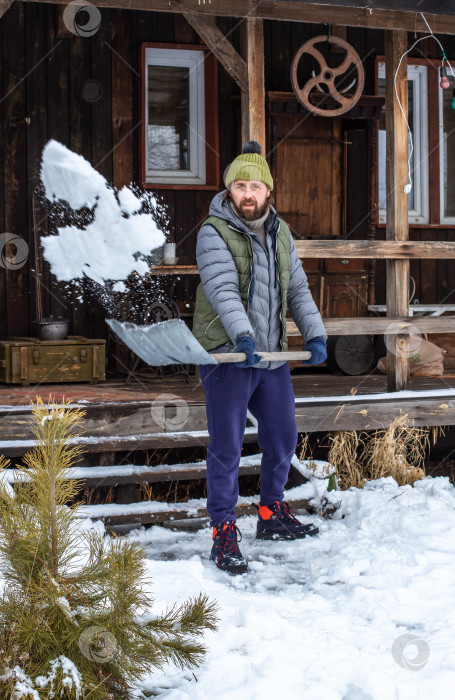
pixel 339 295
pixel 345 296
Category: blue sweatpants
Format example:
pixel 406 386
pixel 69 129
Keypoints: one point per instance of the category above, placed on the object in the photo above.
pixel 269 395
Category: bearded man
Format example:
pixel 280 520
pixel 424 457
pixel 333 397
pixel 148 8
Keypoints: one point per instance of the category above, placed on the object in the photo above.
pixel 251 276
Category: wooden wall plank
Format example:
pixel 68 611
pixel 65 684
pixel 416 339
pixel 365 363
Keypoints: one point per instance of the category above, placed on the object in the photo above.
pixel 185 226
pixel 142 30
pixel 183 32
pixel 101 130
pixel 55 297
pixel 336 178
pixel 80 119
pixel 101 124
pixel 15 163
pixel 122 99
pixel 3 290
pixel 36 47
pixel 414 270
pixel 356 195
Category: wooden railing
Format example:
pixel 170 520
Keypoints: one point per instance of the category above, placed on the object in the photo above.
pixel 395 250
pixel 398 250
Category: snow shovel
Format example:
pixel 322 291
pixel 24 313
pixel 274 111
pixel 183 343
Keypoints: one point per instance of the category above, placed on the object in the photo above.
pixel 172 343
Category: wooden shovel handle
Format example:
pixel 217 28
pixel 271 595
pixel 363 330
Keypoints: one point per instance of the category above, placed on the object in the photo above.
pixel 268 356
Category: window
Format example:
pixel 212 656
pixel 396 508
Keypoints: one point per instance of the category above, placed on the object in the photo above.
pixel 447 154
pixel 418 123
pixel 180 121
pixel 432 122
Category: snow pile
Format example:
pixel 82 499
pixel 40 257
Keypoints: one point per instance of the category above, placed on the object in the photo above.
pixel 364 611
pixel 62 672
pixel 120 236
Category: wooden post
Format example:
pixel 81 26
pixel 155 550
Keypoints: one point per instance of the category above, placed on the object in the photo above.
pixel 397 229
pixel 253 101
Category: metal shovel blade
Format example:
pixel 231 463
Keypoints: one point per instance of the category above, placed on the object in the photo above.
pixel 165 343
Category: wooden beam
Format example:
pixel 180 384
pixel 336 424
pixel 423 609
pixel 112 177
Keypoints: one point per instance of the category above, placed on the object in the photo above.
pixel 414 250
pixel 220 47
pixel 4 6
pixel 378 325
pixel 291 12
pixel 442 7
pixel 397 271
pixel 374 414
pixel 253 102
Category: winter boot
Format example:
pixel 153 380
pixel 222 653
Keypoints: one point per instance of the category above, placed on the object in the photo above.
pixel 225 551
pixel 278 522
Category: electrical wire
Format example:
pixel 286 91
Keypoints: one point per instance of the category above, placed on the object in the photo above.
pixel 408 187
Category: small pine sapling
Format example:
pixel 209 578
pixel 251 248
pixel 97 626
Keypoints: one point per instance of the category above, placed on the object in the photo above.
pixel 75 609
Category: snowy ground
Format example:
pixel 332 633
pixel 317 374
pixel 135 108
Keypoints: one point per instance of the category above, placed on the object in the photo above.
pixel 324 618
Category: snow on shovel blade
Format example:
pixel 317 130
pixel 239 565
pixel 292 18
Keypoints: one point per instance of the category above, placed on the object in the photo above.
pixel 166 343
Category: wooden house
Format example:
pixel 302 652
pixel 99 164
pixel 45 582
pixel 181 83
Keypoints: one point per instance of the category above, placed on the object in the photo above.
pixel 162 93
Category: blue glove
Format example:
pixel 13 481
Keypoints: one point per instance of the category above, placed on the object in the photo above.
pixel 247 345
pixel 318 349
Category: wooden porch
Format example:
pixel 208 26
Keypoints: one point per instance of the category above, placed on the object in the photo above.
pixel 170 413
pixel 125 424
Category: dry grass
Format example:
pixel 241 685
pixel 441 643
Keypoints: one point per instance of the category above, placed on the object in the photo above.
pixel 306 453
pixel 397 451
pixel 343 455
pixel 304 447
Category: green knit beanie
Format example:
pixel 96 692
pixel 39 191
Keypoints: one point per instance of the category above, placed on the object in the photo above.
pixel 249 166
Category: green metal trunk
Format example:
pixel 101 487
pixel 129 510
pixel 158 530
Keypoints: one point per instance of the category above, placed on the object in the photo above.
pixel 32 361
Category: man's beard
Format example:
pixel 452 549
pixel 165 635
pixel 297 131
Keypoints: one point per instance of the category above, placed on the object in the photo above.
pixel 250 214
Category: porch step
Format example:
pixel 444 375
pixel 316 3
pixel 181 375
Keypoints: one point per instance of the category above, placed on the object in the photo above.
pixel 94 477
pixel 155 512
pixel 149 512
pixel 118 427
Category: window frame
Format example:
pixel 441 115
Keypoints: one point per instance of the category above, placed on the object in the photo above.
pixel 205 109
pixel 445 220
pixel 420 215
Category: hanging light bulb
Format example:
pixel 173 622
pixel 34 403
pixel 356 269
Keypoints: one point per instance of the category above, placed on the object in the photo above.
pixel 444 80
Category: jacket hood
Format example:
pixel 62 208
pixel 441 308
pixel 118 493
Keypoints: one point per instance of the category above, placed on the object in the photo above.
pixel 221 208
